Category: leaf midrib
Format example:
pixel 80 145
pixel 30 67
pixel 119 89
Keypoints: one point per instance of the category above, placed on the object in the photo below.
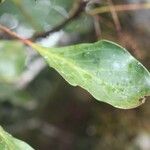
pixel 69 62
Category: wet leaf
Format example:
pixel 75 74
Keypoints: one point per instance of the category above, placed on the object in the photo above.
pixel 104 69
pixel 8 142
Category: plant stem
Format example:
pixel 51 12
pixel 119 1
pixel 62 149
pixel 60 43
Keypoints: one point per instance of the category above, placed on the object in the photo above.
pixel 115 17
pixel 127 7
pixel 15 35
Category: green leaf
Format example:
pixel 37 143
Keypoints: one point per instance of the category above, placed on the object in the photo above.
pixel 8 142
pixel 41 15
pixel 104 69
pixel 38 15
pixel 75 25
pixel 12 60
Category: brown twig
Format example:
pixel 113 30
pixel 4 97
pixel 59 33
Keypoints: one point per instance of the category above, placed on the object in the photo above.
pixel 97 26
pixel 78 8
pixel 15 35
pixel 115 17
pixel 125 7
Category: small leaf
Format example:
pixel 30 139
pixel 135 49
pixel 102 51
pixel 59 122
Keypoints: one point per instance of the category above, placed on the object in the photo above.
pixel 8 142
pixel 104 68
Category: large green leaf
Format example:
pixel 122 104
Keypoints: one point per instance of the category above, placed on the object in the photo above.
pixel 7 142
pixel 104 68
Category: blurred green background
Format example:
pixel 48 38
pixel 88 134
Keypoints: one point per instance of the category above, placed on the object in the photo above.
pixel 38 106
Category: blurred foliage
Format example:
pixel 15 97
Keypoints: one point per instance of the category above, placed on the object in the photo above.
pixel 49 114
pixel 12 65
pixel 40 15
pixel 1 1
pixel 37 14
pixel 12 61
